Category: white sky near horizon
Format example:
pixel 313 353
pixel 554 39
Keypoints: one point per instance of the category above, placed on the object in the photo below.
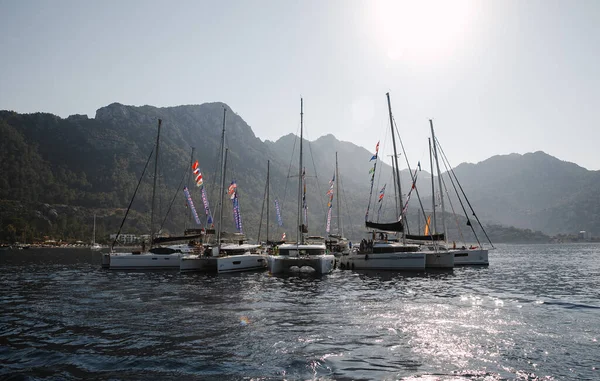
pixel 497 77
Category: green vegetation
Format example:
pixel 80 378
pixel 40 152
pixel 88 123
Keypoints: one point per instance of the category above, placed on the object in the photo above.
pixel 55 174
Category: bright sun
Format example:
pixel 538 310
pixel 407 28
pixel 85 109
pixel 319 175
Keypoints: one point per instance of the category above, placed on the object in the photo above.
pixel 420 30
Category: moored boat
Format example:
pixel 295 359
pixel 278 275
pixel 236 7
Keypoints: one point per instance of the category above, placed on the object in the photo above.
pixel 226 258
pixel 337 244
pixel 379 252
pixel 381 255
pixel 470 256
pixel 293 256
pixel 473 254
pixel 95 246
pixel 230 252
pixel 157 257
pixel 307 251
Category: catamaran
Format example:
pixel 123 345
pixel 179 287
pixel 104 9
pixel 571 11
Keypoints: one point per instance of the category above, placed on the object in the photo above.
pixel 226 255
pixel 306 251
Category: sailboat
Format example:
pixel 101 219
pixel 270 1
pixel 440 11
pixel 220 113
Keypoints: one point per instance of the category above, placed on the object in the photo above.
pixel 437 255
pixel 306 251
pixel 230 252
pixel 379 251
pixel 464 255
pixel 337 244
pixel 269 244
pixel 95 246
pixel 157 257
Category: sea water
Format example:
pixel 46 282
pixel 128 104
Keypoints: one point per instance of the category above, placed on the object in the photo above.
pixel 534 313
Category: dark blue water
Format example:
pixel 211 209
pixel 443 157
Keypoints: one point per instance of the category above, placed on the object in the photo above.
pixel 534 313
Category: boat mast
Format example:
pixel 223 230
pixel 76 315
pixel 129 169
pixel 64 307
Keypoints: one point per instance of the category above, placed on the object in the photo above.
pixel 397 215
pixel 268 168
pixel 300 234
pixel 434 230
pixel 222 186
pixel 396 164
pixel 154 186
pixel 185 221
pixel 337 194
pixel 94 229
pixel 437 164
pixel 262 209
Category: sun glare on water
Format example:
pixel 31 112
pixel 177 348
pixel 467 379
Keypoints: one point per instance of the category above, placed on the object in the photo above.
pixel 421 30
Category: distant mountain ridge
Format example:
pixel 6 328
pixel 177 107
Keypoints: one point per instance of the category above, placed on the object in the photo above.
pixel 95 164
pixel 535 191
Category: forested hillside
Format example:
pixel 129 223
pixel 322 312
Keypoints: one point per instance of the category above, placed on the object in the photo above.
pixel 57 173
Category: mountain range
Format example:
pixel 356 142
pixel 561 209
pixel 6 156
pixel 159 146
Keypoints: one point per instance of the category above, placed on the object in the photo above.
pixel 57 173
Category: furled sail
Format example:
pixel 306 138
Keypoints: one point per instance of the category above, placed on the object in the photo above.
pixel 433 237
pixel 388 227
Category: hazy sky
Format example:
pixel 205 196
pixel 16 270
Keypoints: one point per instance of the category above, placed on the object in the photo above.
pixel 496 76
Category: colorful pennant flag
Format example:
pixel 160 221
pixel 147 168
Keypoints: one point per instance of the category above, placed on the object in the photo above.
pixel 209 219
pixel 382 193
pixel 237 216
pixel 374 157
pixel 329 204
pixel 188 196
pixel 328 220
pixel 231 190
pixel 278 211
pixel 198 175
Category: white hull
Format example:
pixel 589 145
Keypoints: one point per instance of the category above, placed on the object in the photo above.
pixel 96 247
pixel 408 261
pixel 128 261
pixel 198 263
pixel 439 260
pixel 241 262
pixel 471 257
pixel 225 264
pixel 322 264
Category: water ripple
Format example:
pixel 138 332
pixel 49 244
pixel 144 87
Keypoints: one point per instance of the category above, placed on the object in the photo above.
pixel 534 313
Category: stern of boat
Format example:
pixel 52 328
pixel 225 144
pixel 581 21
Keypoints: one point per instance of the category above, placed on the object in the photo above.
pixel 471 257
pixel 106 260
pixel 439 260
